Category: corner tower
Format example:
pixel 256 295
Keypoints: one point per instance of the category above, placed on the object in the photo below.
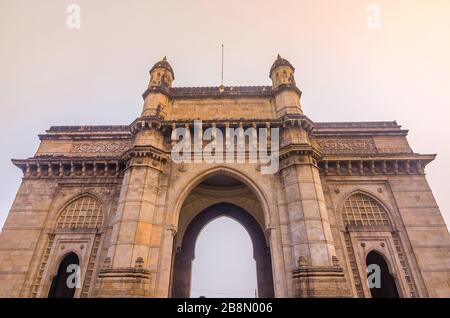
pixel 136 229
pixel 157 94
pixel 317 272
pixel 287 94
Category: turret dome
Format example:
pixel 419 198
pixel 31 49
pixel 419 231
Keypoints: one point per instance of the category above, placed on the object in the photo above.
pixel 164 64
pixel 280 62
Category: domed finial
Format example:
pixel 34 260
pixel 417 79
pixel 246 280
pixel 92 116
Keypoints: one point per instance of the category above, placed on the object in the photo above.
pixel 279 63
pixel 282 73
pixel 164 64
pixel 161 74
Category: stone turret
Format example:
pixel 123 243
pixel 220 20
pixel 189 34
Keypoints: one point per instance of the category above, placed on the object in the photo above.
pixel 161 74
pixel 282 73
pixel 156 95
pixel 287 95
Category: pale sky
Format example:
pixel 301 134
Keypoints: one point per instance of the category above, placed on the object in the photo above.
pixel 223 265
pixel 53 75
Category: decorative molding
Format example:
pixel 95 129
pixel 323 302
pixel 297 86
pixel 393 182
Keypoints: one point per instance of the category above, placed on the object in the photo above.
pixel 359 124
pixel 373 166
pixel 70 167
pixel 100 147
pixel 347 145
pixel 96 128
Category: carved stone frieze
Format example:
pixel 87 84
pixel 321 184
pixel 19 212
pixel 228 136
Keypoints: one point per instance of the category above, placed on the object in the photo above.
pixel 346 145
pixel 100 147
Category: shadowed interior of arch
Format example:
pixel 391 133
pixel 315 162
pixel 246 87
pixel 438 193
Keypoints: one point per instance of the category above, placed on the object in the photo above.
pixel 60 287
pixel 228 269
pixel 387 287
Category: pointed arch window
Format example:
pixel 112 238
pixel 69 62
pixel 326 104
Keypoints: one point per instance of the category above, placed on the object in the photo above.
pixel 362 210
pixel 84 212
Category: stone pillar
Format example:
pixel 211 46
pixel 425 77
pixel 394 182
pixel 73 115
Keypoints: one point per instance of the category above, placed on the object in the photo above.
pixel 163 288
pixel 182 265
pixel 263 271
pixel 317 273
pixel 135 250
pixel 136 235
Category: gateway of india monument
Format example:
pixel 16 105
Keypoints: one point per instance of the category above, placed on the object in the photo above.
pixel 112 201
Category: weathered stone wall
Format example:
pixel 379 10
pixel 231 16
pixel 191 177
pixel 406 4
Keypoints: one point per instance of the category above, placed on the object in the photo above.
pixel 30 227
pixel 21 234
pixel 85 141
pixel 426 231
pixel 225 109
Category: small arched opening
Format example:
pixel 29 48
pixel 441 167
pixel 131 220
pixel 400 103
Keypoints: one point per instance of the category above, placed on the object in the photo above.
pixel 64 283
pixel 382 284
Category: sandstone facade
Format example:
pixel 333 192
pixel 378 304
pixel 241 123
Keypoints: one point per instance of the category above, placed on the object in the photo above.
pixel 113 196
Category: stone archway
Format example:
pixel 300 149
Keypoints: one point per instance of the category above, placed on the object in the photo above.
pixel 182 267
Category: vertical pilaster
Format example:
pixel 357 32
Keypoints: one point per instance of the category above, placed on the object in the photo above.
pixel 136 235
pixel 310 228
pixel 318 273
pixel 132 234
pixel 132 227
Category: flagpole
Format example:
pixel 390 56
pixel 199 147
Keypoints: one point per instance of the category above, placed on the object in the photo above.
pixel 221 82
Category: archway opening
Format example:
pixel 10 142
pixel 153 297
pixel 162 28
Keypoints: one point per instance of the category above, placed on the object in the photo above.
pixel 220 194
pixel 384 286
pixel 184 255
pixel 223 264
pixel 63 286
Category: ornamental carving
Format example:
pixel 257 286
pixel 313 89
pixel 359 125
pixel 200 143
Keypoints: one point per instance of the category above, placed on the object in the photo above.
pixel 100 147
pixel 353 145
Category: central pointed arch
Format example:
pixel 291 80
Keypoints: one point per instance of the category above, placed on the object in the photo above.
pixel 181 281
pixel 234 173
pixel 259 209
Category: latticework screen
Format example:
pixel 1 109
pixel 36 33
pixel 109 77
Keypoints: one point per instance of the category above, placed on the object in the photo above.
pixel 361 210
pixel 84 212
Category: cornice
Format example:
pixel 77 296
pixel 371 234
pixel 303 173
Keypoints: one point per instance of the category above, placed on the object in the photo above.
pixel 212 92
pixel 374 128
pixel 299 149
pixel 155 90
pixel 146 151
pixel 64 167
pixel 375 165
pixel 288 87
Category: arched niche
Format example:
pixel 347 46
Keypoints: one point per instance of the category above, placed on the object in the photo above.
pixel 62 284
pixel 387 287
